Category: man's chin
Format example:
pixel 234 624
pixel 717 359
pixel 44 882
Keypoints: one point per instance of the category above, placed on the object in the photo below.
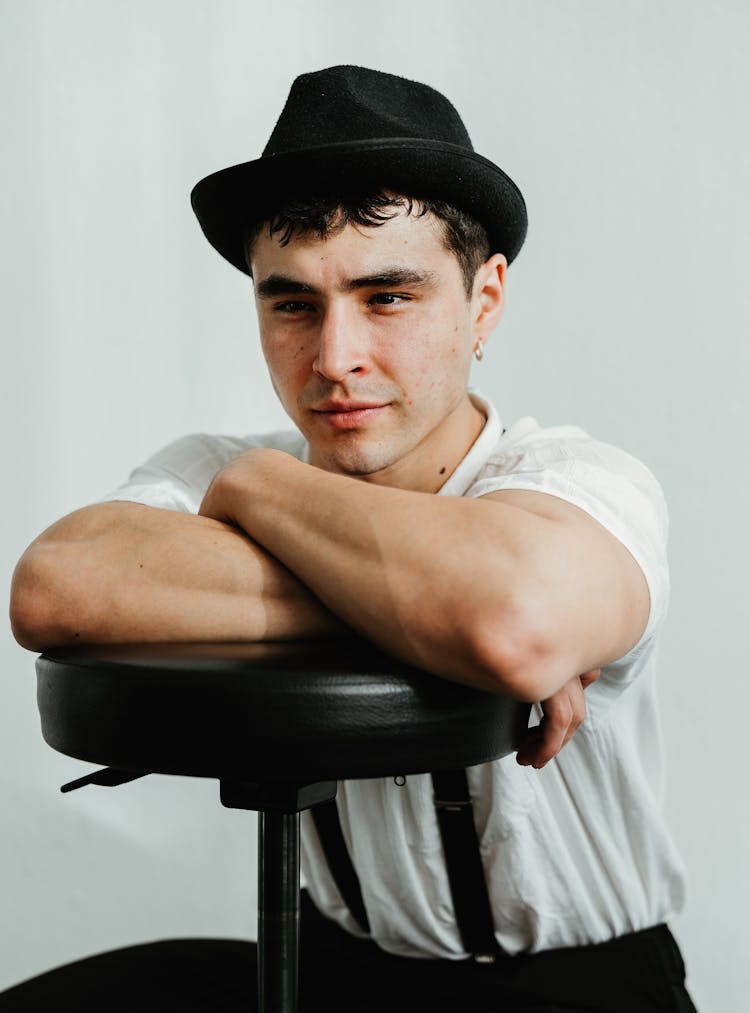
pixel 355 461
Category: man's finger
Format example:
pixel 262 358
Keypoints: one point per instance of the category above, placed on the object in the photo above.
pixel 546 740
pixel 564 713
pixel 578 708
pixel 588 677
pixel 558 715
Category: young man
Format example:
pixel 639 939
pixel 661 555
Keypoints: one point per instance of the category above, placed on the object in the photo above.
pixel 525 561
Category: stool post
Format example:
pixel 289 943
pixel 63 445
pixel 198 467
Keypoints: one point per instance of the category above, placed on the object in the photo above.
pixel 278 911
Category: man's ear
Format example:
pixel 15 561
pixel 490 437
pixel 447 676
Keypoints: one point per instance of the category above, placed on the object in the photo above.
pixel 489 296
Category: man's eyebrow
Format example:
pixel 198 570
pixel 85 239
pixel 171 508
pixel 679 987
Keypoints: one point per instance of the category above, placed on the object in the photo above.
pixel 281 284
pixel 392 277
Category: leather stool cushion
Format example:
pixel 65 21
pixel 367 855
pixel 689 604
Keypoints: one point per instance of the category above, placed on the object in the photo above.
pixel 285 712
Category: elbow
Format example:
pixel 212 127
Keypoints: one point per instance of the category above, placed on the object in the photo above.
pixel 513 654
pixel 35 617
pixel 25 611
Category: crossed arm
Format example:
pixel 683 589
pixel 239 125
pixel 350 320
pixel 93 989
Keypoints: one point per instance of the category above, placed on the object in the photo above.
pixel 518 592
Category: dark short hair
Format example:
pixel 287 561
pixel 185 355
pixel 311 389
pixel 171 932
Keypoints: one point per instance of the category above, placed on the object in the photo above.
pixel 325 216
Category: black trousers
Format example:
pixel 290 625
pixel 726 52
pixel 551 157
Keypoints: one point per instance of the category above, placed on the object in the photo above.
pixel 638 973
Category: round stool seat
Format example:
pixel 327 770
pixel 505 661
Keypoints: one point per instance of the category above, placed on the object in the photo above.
pixel 283 712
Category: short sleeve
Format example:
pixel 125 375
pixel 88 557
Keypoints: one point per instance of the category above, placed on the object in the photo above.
pixel 608 483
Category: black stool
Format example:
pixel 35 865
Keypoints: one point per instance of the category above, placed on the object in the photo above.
pixel 278 725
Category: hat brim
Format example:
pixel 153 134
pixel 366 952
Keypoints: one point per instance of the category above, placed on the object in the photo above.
pixel 228 202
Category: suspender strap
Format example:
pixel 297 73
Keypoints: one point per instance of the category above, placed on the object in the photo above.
pixel 328 825
pixel 471 903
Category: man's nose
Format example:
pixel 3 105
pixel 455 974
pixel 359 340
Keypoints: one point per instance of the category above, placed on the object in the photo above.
pixel 341 345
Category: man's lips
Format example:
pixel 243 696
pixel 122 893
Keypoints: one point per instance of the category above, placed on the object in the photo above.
pixel 348 414
pixel 347 406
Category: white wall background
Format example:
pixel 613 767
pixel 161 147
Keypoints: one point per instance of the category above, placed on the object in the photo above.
pixel 624 122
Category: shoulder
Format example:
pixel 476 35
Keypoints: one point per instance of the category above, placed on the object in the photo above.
pixel 198 455
pixel 566 461
pixel 178 475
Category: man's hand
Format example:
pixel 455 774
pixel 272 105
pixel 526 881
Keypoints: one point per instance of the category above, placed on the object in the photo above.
pixel 564 713
pixel 234 484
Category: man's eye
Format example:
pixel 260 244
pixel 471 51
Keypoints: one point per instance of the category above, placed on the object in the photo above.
pixel 292 306
pixel 386 299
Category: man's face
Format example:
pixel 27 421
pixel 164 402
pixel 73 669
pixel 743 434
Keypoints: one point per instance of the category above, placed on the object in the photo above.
pixel 368 336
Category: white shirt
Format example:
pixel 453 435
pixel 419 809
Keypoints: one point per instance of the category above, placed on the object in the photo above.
pixel 575 853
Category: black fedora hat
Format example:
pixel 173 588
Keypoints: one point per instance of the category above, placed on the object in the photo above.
pixel 349 129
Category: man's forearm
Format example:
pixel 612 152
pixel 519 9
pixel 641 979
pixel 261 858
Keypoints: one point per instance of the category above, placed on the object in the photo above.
pixel 518 592
pixel 405 569
pixel 123 572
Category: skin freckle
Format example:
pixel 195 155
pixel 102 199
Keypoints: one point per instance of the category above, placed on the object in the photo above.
pixel 442 471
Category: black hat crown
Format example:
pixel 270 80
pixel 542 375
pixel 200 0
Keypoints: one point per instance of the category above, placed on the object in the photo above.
pixel 348 104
